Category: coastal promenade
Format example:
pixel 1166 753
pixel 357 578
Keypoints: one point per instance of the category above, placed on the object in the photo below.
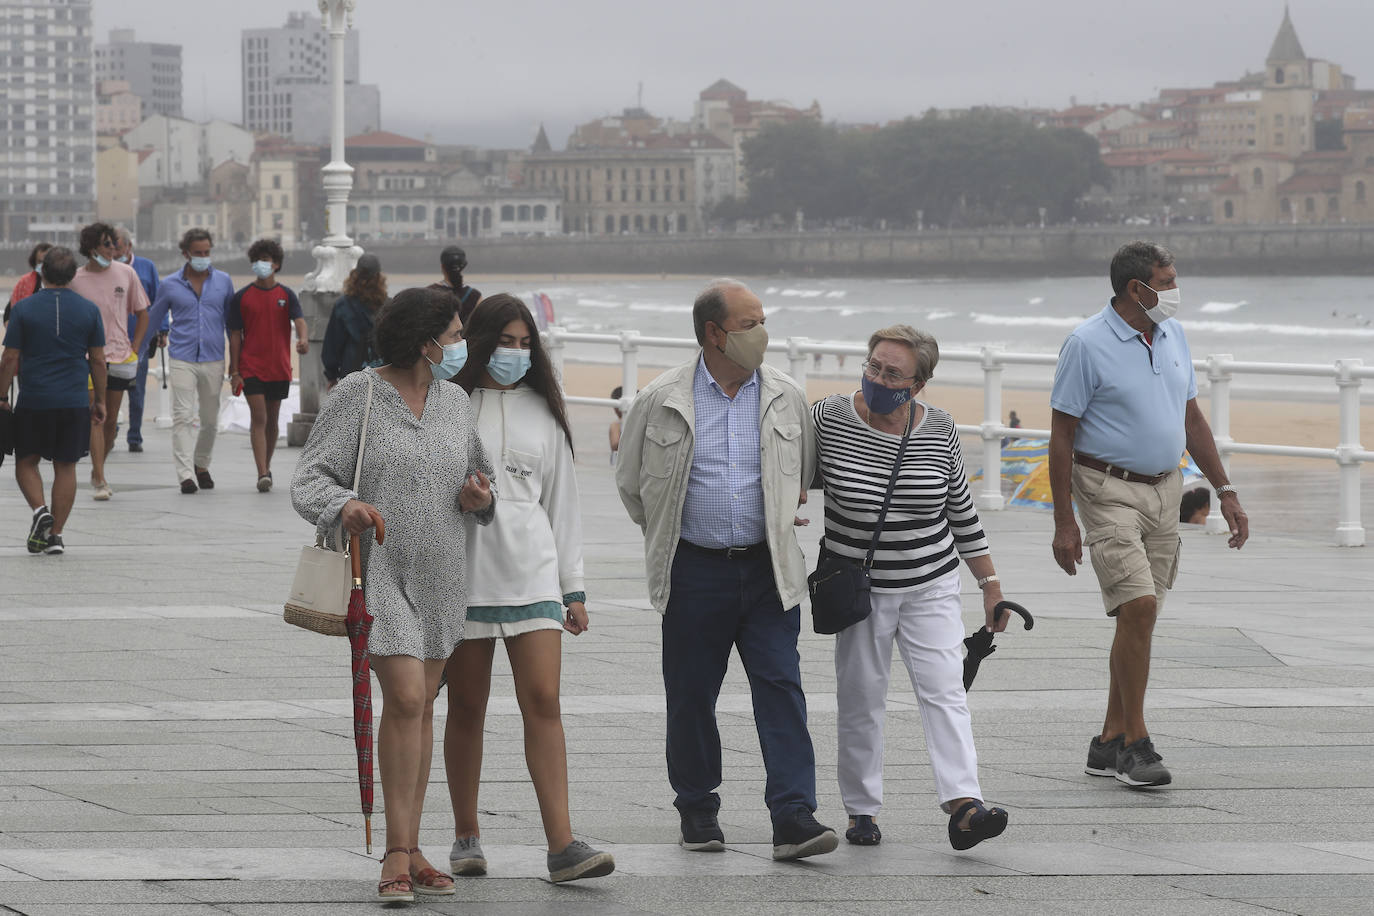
pixel 168 745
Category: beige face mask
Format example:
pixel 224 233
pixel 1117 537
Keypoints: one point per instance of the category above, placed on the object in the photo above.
pixel 746 348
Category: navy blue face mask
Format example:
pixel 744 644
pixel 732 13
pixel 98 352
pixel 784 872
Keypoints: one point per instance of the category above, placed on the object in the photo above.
pixel 881 399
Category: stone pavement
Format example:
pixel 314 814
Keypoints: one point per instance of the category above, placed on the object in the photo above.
pixel 168 745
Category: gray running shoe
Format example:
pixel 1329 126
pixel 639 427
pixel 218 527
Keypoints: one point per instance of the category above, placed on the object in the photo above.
pixel 1102 757
pixel 466 859
pixel 1141 767
pixel 579 860
pixel 55 545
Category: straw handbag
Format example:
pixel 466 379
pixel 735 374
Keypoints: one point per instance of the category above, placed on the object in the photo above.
pixel 319 594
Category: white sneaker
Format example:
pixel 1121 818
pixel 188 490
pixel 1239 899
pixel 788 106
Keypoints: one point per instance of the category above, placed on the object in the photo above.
pixel 101 492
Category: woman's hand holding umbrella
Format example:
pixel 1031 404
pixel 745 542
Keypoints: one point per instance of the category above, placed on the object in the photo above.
pixel 358 516
pixel 992 596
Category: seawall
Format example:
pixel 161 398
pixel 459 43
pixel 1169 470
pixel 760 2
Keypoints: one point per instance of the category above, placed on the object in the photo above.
pixel 1063 251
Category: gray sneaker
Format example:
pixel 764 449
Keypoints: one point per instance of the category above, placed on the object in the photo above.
pixel 579 860
pixel 1102 757
pixel 466 859
pixel 1141 767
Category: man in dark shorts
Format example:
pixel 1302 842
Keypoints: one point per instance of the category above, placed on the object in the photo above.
pixel 55 342
pixel 453 261
pixel 259 319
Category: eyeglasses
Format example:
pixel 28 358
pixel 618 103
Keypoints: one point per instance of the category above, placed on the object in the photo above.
pixel 886 373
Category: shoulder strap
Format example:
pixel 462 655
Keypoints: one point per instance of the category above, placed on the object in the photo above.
pixel 891 485
pixel 362 435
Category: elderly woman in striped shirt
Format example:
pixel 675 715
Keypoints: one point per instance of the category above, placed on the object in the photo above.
pixel 931 524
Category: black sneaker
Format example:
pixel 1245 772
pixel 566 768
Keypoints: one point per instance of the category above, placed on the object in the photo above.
pixel 54 545
pixel 40 530
pixel 701 832
pixel 135 446
pixel 1141 767
pixel 801 837
pixel 1102 757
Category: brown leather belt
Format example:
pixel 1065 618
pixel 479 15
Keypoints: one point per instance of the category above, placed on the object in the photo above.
pixel 1112 470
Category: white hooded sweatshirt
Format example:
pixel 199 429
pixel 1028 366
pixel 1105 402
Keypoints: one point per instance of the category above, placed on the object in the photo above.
pixel 532 550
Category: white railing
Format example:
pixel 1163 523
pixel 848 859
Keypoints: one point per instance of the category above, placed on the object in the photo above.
pixel 1220 368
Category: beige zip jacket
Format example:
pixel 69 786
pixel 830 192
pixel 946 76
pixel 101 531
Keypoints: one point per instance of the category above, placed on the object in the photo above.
pixel 656 442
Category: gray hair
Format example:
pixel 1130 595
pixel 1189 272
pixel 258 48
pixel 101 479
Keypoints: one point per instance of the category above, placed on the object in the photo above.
pixel 59 266
pixel 923 347
pixel 710 305
pixel 122 236
pixel 1137 261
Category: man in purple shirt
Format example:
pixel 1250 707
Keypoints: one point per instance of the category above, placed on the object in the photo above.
pixel 196 296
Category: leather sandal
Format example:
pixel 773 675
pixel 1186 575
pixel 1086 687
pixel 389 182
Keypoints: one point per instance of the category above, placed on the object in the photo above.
pixel 430 882
pixel 399 889
pixel 985 824
pixel 865 831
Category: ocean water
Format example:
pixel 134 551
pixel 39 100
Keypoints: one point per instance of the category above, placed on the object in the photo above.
pixel 1267 319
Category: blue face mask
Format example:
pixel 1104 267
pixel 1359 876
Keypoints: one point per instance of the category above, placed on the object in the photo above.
pixel 200 265
pixel 101 260
pixel 263 269
pixel 881 399
pixel 123 259
pixel 508 365
pixel 455 356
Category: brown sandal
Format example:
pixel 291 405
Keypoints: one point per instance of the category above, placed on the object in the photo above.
pixel 430 882
pixel 399 889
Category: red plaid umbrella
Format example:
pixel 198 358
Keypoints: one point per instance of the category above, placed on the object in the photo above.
pixel 359 625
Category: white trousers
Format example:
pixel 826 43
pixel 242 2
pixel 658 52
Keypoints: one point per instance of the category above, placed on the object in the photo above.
pixel 192 383
pixel 929 633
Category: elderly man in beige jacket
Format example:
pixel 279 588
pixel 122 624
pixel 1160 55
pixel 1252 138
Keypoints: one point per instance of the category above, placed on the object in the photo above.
pixel 714 458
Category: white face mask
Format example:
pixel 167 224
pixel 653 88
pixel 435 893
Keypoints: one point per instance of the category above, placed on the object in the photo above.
pixel 1166 307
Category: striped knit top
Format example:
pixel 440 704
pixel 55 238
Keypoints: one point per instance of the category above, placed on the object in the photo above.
pixel 932 521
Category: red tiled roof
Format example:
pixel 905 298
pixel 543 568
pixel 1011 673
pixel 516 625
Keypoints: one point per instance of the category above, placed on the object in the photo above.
pixel 1229 186
pixel 1311 181
pixel 382 138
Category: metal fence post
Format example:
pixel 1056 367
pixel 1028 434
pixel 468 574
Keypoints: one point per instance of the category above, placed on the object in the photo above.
pixel 990 497
pixel 1349 527
pixel 1219 376
pixel 629 363
pixel 556 347
pixel 796 360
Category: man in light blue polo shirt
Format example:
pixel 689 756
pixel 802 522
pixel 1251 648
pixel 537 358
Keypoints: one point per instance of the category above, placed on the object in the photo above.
pixel 1124 408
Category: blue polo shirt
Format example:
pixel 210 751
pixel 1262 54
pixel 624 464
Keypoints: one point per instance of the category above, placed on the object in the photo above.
pixel 1129 396
pixel 197 333
pixel 54 330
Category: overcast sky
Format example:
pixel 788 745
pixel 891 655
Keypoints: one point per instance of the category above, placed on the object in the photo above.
pixel 488 73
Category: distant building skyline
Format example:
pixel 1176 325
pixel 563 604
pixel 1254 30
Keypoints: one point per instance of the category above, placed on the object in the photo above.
pixel 152 70
pixel 47 161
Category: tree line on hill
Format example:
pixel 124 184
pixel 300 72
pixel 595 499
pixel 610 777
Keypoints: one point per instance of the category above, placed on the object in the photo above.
pixel 982 170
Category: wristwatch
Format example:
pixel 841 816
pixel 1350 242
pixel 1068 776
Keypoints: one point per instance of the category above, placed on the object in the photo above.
pixel 986 579
pixel 1226 488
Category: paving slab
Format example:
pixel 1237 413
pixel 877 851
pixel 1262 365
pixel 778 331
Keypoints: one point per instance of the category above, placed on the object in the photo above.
pixel 168 746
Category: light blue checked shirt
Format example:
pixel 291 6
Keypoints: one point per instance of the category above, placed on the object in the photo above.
pixel 724 505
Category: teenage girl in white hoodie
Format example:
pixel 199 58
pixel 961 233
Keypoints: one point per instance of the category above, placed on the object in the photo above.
pixel 524 582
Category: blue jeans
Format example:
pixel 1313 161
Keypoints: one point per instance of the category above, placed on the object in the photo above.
pixel 136 396
pixel 716 604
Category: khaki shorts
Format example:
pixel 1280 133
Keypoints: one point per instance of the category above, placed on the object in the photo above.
pixel 1131 532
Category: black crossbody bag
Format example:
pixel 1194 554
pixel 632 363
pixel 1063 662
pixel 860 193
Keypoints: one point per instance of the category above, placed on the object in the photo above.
pixel 840 587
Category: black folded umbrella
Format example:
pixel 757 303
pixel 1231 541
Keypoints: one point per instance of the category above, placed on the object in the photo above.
pixel 980 645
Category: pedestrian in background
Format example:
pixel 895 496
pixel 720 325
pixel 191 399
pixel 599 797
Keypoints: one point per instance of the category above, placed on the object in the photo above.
pixel 117 292
pixel 1124 409
pixel 931 524
pixel 424 471
pixel 30 282
pixel 452 262
pixel 156 338
pixel 259 319
pixel 523 570
pixel 348 336
pixel 714 458
pixel 197 297
pixel 55 343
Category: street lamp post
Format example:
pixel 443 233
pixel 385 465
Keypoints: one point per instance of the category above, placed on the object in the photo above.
pixel 336 255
